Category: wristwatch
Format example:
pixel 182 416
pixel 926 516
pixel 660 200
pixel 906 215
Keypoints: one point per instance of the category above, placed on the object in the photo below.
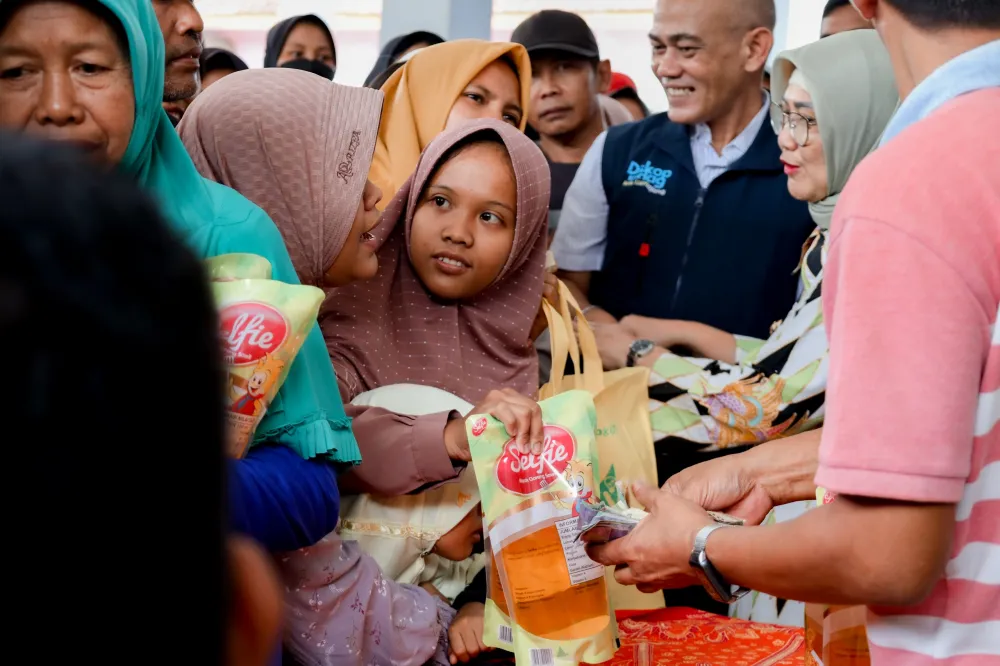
pixel 710 578
pixel 639 349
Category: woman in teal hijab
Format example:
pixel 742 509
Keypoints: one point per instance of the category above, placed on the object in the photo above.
pixel 307 415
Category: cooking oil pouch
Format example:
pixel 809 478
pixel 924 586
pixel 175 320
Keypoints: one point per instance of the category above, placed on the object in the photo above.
pixel 238 266
pixel 498 630
pixel 557 597
pixel 262 324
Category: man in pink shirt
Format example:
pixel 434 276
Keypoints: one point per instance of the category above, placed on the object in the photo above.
pixel 911 445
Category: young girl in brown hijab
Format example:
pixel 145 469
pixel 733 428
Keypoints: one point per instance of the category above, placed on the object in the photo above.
pixel 461 271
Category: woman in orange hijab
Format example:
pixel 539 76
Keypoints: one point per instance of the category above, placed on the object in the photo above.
pixel 440 87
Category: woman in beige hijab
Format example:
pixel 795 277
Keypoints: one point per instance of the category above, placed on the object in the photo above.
pixel 440 87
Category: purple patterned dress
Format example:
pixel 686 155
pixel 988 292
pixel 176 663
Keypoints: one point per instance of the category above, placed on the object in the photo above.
pixel 341 611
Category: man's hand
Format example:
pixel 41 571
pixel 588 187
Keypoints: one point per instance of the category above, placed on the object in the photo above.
pixel 654 556
pixel 724 484
pixel 613 342
pixel 550 294
pixel 466 633
pixel 520 415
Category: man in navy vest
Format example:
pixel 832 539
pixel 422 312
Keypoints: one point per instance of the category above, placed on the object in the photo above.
pixel 686 215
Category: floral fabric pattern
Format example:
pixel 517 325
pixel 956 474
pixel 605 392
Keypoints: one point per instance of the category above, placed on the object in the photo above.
pixel 776 389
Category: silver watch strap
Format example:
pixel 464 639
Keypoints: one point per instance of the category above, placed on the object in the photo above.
pixel 714 582
pixel 701 539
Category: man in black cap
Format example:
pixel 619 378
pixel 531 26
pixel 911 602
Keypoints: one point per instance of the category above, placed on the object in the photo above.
pixel 567 78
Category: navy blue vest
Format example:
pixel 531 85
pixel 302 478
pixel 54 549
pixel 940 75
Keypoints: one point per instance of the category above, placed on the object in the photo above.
pixel 725 256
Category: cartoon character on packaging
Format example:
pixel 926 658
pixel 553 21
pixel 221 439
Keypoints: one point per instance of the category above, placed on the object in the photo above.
pixel 254 401
pixel 580 477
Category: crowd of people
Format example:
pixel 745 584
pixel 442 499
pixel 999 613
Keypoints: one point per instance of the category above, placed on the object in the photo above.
pixel 810 270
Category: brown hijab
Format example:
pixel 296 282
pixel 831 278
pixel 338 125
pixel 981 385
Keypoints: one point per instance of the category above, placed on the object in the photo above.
pixel 391 330
pixel 296 145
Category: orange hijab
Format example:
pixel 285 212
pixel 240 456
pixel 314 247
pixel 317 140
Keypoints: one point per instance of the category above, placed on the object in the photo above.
pixel 419 97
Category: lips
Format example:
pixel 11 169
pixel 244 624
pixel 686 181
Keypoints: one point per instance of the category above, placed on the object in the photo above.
pixel 561 111
pixel 679 92
pixel 790 168
pixel 450 263
pixel 86 145
pixel 190 57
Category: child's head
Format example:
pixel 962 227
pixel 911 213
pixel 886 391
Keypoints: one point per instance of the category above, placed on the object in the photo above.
pixel 465 219
pixel 460 542
pixel 300 148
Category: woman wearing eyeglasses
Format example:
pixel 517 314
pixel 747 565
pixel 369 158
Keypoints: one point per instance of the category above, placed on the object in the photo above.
pixel 832 102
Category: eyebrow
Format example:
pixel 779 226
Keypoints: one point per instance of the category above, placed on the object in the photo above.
pixel 675 38
pixel 800 105
pixel 73 47
pixel 498 204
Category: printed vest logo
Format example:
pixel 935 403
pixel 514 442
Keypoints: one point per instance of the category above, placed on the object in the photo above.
pixel 526 474
pixel 250 331
pixel 646 175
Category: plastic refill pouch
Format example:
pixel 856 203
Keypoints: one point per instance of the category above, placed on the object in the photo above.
pixel 556 596
pixel 263 324
pixel 238 266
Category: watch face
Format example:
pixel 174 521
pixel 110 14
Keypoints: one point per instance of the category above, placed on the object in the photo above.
pixel 641 347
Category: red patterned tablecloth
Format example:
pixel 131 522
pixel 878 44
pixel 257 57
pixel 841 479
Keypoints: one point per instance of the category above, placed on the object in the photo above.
pixel 686 637
pixel 690 637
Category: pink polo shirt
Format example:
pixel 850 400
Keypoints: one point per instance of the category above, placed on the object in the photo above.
pixel 912 298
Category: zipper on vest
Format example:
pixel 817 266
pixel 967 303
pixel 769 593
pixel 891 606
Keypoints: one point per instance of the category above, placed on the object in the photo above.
pixel 699 203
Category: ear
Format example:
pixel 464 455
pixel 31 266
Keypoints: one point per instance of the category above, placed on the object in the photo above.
pixel 603 76
pixel 254 619
pixel 758 43
pixel 867 8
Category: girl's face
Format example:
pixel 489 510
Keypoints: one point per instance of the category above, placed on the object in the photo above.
pixel 65 77
pixel 494 93
pixel 309 42
pixel 460 542
pixel 463 228
pixel 358 261
pixel 805 165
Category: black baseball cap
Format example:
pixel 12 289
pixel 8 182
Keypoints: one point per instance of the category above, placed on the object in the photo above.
pixel 555 30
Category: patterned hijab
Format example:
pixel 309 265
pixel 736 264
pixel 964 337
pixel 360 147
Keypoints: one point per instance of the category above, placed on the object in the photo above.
pixel 419 97
pixel 297 146
pixel 851 80
pixel 391 331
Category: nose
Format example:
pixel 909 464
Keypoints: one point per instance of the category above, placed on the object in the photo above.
pixel 667 66
pixel 785 140
pixel 544 85
pixel 58 104
pixel 373 194
pixel 459 230
pixel 189 20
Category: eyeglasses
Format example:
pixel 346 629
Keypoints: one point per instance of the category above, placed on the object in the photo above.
pixel 796 122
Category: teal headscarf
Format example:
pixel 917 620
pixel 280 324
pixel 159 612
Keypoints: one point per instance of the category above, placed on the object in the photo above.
pixel 307 414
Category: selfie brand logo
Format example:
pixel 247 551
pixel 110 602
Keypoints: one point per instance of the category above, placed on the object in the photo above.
pixel 250 331
pixel 525 473
pixel 646 175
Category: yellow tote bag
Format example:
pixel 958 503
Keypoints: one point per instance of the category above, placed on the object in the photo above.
pixel 624 436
